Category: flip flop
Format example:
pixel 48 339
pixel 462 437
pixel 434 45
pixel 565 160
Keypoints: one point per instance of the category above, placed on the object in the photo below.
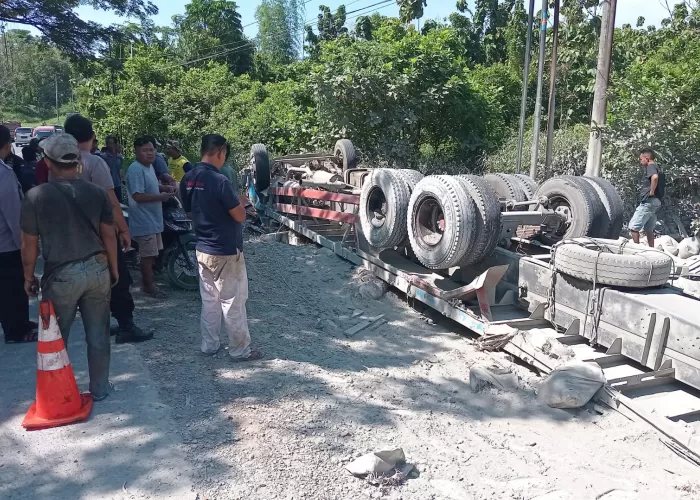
pixel 27 338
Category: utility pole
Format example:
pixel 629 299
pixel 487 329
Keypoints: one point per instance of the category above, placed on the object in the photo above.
pixel 551 111
pixel 538 101
pixel 526 77
pixel 55 78
pixel 602 77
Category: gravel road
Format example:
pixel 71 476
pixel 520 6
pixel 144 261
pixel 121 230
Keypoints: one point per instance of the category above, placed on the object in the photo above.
pixel 283 427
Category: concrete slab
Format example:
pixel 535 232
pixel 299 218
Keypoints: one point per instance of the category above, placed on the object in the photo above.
pixel 128 449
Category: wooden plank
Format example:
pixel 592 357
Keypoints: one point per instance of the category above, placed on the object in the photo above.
pixel 315 194
pixel 316 212
pixel 362 325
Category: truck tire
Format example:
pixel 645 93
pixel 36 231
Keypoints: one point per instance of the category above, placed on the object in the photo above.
pixel 345 150
pixel 488 218
pixel 507 187
pixel 442 221
pixel 260 163
pixel 611 262
pixel 528 185
pixel 612 202
pixel 576 202
pixel 411 177
pixel 384 207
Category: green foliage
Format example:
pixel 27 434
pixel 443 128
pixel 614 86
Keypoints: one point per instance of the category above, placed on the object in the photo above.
pixel 330 26
pixel 212 30
pixel 276 36
pixel 62 27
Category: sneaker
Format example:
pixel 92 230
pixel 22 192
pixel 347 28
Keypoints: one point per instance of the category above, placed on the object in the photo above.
pixel 130 333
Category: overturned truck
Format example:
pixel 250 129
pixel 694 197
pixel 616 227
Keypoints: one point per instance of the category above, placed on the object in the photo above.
pixel 524 266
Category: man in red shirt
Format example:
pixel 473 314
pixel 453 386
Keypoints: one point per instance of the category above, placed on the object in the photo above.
pixel 41 172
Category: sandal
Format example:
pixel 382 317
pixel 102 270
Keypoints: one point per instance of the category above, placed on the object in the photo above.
pixel 254 355
pixel 27 338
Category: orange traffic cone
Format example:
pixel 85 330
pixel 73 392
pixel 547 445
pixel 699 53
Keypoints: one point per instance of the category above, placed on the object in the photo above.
pixel 58 401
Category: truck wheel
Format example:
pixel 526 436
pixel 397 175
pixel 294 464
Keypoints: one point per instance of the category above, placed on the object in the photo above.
pixel 507 187
pixel 345 150
pixel 412 177
pixel 383 208
pixel 528 185
pixel 612 202
pixel 260 163
pixel 488 218
pixel 577 204
pixel 611 262
pixel 442 221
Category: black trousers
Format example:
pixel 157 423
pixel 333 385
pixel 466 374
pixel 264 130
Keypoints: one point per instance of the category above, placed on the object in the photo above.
pixel 14 303
pixel 121 304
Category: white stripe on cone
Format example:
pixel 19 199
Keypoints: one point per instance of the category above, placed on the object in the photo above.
pixel 52 361
pixel 51 333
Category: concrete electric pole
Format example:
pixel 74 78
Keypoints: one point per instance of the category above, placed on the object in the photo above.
pixel 538 100
pixel 600 101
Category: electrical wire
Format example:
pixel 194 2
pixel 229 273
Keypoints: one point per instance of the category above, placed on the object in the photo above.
pixel 242 45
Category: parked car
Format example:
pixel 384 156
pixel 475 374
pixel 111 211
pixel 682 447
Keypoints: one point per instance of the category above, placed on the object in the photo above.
pixel 23 135
pixel 45 131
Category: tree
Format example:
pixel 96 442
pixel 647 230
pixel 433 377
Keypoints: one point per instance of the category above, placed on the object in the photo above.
pixel 411 9
pixel 211 30
pixel 330 26
pixel 60 26
pixel 276 35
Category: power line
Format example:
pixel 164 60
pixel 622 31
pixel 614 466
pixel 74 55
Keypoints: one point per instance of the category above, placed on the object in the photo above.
pixel 384 3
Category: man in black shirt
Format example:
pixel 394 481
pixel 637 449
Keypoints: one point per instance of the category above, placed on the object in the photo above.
pixel 644 217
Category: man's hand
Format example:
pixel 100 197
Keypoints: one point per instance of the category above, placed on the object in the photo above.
pixel 125 240
pixel 165 196
pixel 114 274
pixel 168 188
pixel 31 287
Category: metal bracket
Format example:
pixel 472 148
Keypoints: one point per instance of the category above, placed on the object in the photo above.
pixel 642 379
pixel 615 347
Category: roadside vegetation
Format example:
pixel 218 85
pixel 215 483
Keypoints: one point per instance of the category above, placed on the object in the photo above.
pixel 445 98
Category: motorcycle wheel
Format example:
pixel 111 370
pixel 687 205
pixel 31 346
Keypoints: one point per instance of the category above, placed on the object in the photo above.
pixel 181 274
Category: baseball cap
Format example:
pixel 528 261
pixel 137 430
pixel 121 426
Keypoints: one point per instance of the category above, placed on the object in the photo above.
pixel 61 148
pixel 173 144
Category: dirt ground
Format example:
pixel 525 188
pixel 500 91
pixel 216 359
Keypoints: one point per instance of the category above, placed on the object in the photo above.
pixel 283 427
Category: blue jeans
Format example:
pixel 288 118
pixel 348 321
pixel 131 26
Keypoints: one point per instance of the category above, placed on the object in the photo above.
pixel 645 216
pixel 86 286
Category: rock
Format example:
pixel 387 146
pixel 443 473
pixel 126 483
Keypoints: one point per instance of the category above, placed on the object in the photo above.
pixel 378 462
pixel 373 290
pixel 482 377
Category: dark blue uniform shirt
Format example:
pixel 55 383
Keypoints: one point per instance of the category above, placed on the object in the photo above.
pixel 209 196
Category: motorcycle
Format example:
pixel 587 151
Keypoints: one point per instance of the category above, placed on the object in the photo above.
pixel 179 256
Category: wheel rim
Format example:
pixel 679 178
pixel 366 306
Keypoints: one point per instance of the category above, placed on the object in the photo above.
pixel 182 271
pixel 377 207
pixel 562 207
pixel 430 222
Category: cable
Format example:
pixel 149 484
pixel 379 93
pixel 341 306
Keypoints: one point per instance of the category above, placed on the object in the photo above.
pixel 295 32
pixel 307 23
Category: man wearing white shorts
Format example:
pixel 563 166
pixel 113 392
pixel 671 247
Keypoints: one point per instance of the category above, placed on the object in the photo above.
pixel 218 215
pixel 146 197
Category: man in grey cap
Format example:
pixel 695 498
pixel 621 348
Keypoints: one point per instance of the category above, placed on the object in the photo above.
pixel 74 220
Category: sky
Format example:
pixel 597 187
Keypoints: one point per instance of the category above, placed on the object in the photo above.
pixel 627 11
